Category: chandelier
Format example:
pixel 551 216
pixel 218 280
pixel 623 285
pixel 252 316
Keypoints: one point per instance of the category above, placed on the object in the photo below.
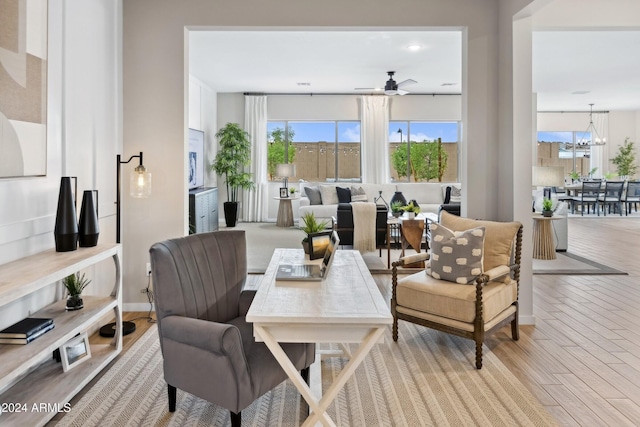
pixel 590 137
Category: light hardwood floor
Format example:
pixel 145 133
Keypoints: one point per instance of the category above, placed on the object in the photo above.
pixel 582 358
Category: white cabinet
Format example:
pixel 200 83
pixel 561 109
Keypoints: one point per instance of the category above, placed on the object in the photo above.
pixel 203 210
pixel 28 374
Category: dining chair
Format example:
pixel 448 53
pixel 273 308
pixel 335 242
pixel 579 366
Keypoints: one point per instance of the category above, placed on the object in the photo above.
pixel 588 196
pixel 611 196
pixel 631 196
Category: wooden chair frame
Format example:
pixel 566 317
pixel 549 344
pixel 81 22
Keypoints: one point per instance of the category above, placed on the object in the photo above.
pixel 478 334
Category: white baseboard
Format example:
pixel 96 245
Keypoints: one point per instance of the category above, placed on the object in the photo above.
pixel 527 320
pixel 137 306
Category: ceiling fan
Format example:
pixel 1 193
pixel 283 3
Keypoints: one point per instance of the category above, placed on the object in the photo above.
pixel 391 87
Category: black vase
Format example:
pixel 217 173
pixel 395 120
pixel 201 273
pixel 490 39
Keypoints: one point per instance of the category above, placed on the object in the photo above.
pixel 65 231
pixel 398 197
pixel 231 213
pixel 88 227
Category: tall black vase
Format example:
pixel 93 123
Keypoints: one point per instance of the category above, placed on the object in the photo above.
pixel 88 226
pixel 65 231
pixel 230 213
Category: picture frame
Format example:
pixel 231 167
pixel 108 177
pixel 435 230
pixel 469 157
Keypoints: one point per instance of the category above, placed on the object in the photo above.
pixel 195 175
pixel 284 192
pixel 75 351
pixel 318 243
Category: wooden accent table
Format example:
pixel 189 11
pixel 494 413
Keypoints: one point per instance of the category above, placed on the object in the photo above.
pixel 346 307
pixel 285 211
pixel 543 243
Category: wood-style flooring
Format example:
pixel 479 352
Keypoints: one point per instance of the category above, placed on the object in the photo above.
pixel 582 358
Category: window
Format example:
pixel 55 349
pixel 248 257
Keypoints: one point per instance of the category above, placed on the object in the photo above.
pixel 428 161
pixel 566 148
pixel 321 150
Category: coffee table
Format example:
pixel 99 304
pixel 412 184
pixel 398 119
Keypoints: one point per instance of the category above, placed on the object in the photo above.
pixel 346 307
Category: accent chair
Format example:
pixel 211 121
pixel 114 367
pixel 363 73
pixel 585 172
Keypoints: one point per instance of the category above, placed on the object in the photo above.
pixel 207 345
pixel 470 284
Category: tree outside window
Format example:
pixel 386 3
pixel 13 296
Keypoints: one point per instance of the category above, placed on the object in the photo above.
pixel 279 141
pixel 428 160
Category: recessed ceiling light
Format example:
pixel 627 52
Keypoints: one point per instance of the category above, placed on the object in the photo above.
pixel 304 84
pixel 448 84
pixel 580 92
pixel 414 47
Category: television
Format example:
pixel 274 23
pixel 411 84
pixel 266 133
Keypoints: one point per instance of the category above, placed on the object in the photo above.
pixel 195 174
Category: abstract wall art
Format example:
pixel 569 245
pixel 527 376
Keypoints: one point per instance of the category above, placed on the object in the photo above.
pixel 23 88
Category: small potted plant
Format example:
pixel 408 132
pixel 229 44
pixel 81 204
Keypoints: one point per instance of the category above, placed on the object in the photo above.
pixel 292 191
pixel 575 176
pixel 412 209
pixel 547 205
pixel 311 225
pixel 396 208
pixel 75 284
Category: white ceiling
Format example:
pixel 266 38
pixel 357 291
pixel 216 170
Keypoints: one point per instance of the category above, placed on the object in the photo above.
pixel 606 64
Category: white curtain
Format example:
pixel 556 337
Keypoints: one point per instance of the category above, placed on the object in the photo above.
pixel 375 138
pixel 600 153
pixel 255 202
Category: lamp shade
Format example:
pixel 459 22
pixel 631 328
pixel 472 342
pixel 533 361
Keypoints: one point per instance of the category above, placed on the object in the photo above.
pixel 548 176
pixel 140 183
pixel 285 170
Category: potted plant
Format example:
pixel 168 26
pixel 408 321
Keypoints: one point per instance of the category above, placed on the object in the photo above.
pixel 75 284
pixel 575 176
pixel 547 205
pixel 310 225
pixel 412 209
pixel 396 208
pixel 625 160
pixel 234 153
pixel 292 191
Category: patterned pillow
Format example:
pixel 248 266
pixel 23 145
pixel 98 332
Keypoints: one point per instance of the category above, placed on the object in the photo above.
pixel 313 194
pixel 358 194
pixel 456 196
pixel 329 194
pixel 456 256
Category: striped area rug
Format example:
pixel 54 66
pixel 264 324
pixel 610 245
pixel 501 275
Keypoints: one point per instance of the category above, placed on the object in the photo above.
pixel 426 379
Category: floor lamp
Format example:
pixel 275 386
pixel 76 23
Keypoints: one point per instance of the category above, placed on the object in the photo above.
pixel 140 187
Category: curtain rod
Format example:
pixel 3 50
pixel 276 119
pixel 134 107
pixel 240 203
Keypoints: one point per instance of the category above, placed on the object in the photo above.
pixel 356 94
pixel 576 111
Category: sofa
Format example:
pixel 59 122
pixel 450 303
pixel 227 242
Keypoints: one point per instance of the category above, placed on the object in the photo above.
pixel 429 195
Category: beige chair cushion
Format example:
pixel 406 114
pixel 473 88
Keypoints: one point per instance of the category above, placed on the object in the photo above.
pixel 498 241
pixel 423 293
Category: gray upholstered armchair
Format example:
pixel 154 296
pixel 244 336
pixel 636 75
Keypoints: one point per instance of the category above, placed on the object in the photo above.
pixel 207 346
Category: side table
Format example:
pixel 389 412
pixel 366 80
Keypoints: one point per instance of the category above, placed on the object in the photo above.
pixel 543 244
pixel 285 211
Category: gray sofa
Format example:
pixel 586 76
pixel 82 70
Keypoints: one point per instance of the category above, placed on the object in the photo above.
pixel 429 195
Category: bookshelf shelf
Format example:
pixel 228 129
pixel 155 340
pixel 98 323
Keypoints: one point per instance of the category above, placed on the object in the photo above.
pixel 28 375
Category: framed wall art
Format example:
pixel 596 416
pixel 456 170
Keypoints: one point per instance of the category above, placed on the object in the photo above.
pixel 23 88
pixel 196 159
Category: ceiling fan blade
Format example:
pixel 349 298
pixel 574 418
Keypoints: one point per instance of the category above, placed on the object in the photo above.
pixel 407 82
pixel 402 92
pixel 364 88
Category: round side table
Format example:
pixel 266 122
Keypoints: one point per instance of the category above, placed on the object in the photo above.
pixel 543 243
pixel 285 211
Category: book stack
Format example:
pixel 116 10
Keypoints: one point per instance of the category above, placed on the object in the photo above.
pixel 25 330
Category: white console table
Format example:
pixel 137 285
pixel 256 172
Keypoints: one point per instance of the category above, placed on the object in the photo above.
pixel 28 373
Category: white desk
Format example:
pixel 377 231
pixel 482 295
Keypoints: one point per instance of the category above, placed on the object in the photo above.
pixel 346 307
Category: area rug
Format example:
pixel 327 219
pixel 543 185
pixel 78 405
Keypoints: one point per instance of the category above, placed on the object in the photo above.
pixel 567 263
pixel 426 379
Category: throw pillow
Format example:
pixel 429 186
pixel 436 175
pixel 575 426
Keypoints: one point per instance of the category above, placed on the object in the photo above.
pixel 329 194
pixel 456 256
pixel 313 194
pixel 344 195
pixel 358 194
pixel 456 194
